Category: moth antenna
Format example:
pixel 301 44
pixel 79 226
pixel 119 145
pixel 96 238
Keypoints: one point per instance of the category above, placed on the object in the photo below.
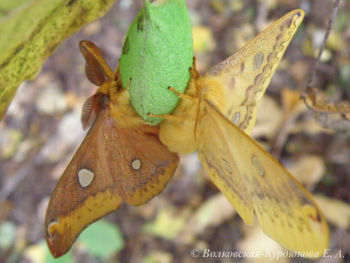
pixel 96 69
pixel 91 109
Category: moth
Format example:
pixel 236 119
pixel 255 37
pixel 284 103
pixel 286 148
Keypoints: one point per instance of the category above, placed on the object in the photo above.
pixel 120 160
pixel 215 116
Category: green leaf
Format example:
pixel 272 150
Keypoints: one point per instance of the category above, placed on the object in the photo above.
pixel 102 239
pixel 157 53
pixel 31 33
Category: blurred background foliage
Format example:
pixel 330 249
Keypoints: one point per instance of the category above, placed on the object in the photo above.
pixel 41 131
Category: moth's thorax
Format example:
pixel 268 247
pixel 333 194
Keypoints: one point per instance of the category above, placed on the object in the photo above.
pixel 122 111
pixel 106 87
pixel 179 135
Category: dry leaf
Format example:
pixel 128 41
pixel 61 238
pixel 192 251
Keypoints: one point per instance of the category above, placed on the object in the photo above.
pixel 211 213
pixel 335 211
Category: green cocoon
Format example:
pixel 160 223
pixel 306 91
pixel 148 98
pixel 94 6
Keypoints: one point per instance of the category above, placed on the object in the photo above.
pixel 157 54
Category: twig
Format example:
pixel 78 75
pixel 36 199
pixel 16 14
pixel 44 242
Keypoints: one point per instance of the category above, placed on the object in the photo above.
pixel 315 68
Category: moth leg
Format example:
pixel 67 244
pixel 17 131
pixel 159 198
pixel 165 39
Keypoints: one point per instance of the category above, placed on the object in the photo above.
pixel 145 122
pixel 192 92
pixel 137 121
pixel 193 70
pixel 184 95
pixel 180 95
pixel 194 76
pixel 117 72
pixel 167 117
pixel 170 117
pixel 187 96
pixel 128 85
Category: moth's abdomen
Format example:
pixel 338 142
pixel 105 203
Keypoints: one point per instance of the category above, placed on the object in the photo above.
pixel 179 136
pixel 178 133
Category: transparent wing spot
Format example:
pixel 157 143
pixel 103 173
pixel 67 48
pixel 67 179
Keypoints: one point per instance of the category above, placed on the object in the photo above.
pixel 226 165
pixel 85 177
pixel 235 118
pixel 51 228
pixel 258 60
pixel 136 164
pixel 258 165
